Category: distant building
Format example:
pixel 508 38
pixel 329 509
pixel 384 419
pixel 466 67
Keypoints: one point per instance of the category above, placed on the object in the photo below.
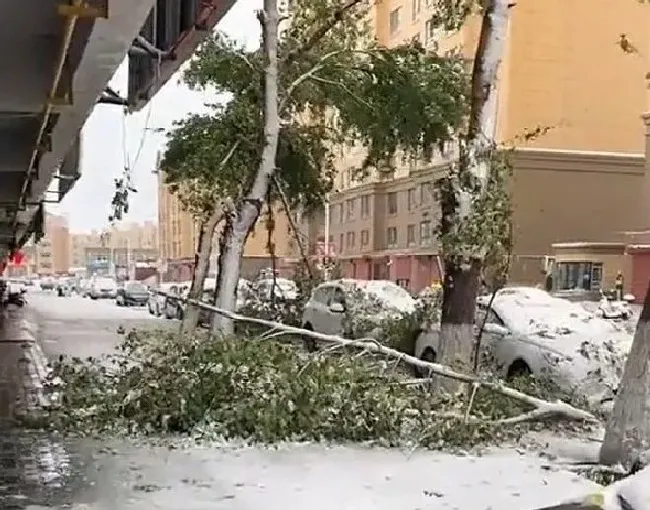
pixel 132 241
pixel 179 237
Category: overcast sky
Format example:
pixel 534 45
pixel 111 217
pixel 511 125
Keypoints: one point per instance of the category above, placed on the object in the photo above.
pixel 87 205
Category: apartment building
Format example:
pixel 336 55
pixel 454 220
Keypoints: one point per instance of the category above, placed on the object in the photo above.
pixel 585 179
pixel 179 237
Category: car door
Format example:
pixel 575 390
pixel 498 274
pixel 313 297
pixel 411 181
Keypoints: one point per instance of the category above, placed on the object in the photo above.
pixel 492 337
pixel 319 308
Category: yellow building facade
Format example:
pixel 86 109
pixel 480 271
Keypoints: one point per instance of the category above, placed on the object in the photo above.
pixel 179 237
pixel 585 179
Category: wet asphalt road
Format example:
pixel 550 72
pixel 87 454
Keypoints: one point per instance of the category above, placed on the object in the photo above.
pixel 39 472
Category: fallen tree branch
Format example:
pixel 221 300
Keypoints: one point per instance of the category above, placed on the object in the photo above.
pixel 543 408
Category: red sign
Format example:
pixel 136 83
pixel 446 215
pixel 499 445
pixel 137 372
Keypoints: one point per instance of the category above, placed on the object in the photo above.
pixel 18 258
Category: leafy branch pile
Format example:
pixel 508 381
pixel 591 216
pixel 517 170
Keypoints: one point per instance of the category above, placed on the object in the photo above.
pixel 264 391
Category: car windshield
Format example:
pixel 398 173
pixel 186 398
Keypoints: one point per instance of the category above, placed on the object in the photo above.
pixel 391 294
pixel 136 287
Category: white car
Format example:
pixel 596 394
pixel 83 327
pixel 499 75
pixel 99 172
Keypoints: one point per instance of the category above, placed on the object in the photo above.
pixel 102 287
pixel 284 289
pixel 528 331
pixel 326 309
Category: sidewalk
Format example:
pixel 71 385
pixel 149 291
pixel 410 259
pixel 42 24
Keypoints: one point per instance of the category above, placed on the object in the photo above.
pixel 23 365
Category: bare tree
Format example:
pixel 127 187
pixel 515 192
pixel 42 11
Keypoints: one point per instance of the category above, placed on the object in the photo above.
pixel 242 222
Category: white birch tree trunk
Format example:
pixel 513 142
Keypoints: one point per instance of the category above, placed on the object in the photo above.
pixel 243 221
pixel 461 277
pixel 627 434
pixel 201 267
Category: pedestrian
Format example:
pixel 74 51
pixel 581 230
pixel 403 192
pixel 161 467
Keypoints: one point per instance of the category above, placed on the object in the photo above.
pixel 618 285
pixel 548 282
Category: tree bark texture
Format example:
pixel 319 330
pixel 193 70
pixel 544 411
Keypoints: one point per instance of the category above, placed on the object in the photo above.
pixel 201 268
pixel 459 291
pixel 461 281
pixel 249 210
pixel 628 429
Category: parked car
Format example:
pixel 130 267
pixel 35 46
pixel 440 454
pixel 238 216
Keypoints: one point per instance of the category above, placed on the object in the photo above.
pixel 281 288
pixel 131 293
pixel 102 287
pixel 326 309
pixel 175 308
pixel 528 331
pixel 156 302
pixel 244 295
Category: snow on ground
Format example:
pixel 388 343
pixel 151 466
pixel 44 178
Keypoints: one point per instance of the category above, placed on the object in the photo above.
pixel 76 307
pixel 316 477
pixel 292 476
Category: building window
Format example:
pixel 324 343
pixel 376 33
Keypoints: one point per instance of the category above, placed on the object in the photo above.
pixel 426 195
pixel 431 32
pixel 391 237
pixel 341 243
pixel 412 200
pixel 349 209
pixel 425 233
pixel 410 235
pixel 365 238
pixel 391 198
pixel 349 240
pixel 395 19
pixel 416 6
pixel 341 217
pixel 578 275
pixel 365 206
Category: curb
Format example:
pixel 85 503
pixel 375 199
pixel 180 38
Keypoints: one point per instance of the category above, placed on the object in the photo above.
pixel 33 363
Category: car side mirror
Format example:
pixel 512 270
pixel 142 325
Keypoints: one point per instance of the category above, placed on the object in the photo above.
pixel 495 329
pixel 337 307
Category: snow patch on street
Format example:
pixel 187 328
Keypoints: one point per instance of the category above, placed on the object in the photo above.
pixel 318 477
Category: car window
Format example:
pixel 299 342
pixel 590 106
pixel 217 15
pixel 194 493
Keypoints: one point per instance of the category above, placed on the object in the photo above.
pixel 338 296
pixel 323 294
pixel 173 289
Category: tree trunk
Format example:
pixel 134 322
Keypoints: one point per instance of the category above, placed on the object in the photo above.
pixel 232 250
pixel 460 284
pixel 459 290
pixel 628 429
pixel 249 210
pixel 201 267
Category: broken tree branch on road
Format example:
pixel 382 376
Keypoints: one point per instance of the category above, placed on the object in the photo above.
pixel 542 408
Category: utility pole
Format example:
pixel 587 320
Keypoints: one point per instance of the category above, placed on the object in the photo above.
pixel 326 250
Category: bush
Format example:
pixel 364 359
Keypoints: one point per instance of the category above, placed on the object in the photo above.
pixel 261 391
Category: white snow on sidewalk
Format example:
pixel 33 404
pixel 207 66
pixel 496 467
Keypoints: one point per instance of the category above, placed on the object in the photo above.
pixel 319 478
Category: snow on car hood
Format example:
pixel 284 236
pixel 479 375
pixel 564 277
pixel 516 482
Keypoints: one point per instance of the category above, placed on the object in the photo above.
pixel 586 353
pixel 381 296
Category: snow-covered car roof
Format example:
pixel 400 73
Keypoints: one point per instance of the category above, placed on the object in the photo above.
pixel 388 292
pixel 592 349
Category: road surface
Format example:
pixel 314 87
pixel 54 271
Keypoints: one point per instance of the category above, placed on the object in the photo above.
pixel 41 472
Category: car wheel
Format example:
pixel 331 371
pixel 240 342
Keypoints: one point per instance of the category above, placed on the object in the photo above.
pixel 519 368
pixel 310 343
pixel 429 355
